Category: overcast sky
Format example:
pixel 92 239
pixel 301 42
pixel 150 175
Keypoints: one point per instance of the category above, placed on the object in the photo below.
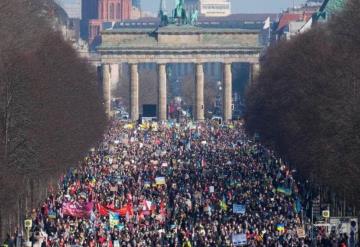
pixel 238 6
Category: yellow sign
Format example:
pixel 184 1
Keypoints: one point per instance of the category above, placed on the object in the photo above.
pixel 28 223
pixel 300 232
pixel 160 180
pixel 326 213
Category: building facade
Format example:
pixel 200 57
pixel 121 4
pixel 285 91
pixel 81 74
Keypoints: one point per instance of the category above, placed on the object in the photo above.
pixel 215 8
pixel 209 8
pixel 136 3
pixel 108 11
pixel 114 10
pixel 73 8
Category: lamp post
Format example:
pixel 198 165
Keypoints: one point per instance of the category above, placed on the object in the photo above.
pixel 218 97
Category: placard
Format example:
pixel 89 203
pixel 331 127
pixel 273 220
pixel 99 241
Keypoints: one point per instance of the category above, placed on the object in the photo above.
pixel 239 239
pixel 212 189
pixel 160 180
pixel 300 232
pixel 238 209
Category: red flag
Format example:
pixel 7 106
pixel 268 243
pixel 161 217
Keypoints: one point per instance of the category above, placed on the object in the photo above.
pixel 162 208
pixel 203 163
pixel 102 210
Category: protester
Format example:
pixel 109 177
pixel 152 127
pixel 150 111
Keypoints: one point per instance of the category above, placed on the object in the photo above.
pixel 174 184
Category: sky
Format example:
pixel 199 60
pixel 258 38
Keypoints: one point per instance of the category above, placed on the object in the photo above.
pixel 238 6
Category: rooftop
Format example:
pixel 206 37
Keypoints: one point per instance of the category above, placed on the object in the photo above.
pixel 181 29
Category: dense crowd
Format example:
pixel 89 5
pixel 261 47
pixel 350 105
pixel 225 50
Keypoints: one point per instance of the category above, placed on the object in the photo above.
pixel 173 184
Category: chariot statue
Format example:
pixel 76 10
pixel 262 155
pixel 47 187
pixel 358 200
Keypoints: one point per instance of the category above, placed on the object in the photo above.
pixel 179 15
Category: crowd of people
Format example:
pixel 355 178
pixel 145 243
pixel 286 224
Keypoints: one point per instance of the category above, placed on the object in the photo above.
pixel 174 184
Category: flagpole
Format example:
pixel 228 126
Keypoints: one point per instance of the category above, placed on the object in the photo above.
pixel 269 38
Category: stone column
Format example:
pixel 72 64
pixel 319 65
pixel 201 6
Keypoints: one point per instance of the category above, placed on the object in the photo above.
pixel 162 103
pixel 106 86
pixel 114 74
pixel 227 89
pixel 254 72
pixel 134 92
pixel 199 92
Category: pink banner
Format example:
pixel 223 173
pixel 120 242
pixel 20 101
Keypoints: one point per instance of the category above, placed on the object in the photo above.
pixel 76 209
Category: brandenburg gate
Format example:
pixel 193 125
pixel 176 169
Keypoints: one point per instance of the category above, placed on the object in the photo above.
pixel 177 44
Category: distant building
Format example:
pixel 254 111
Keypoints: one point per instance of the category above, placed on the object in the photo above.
pixel 89 12
pixel 136 3
pixel 73 8
pixel 213 70
pixel 135 13
pixel 215 7
pixel 114 10
pixel 108 11
pixel 295 21
pixel 209 8
pixel 292 21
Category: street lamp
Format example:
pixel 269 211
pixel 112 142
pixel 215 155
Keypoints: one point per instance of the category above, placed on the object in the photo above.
pixel 218 97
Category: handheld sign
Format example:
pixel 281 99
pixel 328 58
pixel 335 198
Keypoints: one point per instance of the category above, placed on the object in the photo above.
pixel 160 180
pixel 239 239
pixel 238 209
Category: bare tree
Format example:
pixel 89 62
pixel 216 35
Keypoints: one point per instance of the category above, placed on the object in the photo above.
pixel 50 110
pixel 306 103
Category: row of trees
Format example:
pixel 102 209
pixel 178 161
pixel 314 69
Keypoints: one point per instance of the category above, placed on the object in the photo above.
pixel 306 103
pixel 50 111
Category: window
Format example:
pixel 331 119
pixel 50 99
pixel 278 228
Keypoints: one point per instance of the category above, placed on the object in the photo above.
pixel 112 11
pixel 118 11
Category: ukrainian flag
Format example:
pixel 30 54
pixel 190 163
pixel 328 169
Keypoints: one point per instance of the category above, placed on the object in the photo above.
pixel 285 191
pixel 280 227
pixel 114 219
pixel 223 206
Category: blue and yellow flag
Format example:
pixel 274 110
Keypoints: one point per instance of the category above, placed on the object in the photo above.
pixel 114 219
pixel 280 227
pixel 285 191
pixel 223 206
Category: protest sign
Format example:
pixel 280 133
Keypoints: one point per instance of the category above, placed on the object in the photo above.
pixel 212 189
pixel 114 219
pixel 147 184
pixel 160 180
pixel 52 215
pixel 238 209
pixel 300 232
pixel 114 188
pixel 239 239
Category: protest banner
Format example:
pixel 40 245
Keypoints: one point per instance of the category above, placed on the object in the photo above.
pixel 160 180
pixel 104 210
pixel 239 239
pixel 238 209
pixel 76 209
